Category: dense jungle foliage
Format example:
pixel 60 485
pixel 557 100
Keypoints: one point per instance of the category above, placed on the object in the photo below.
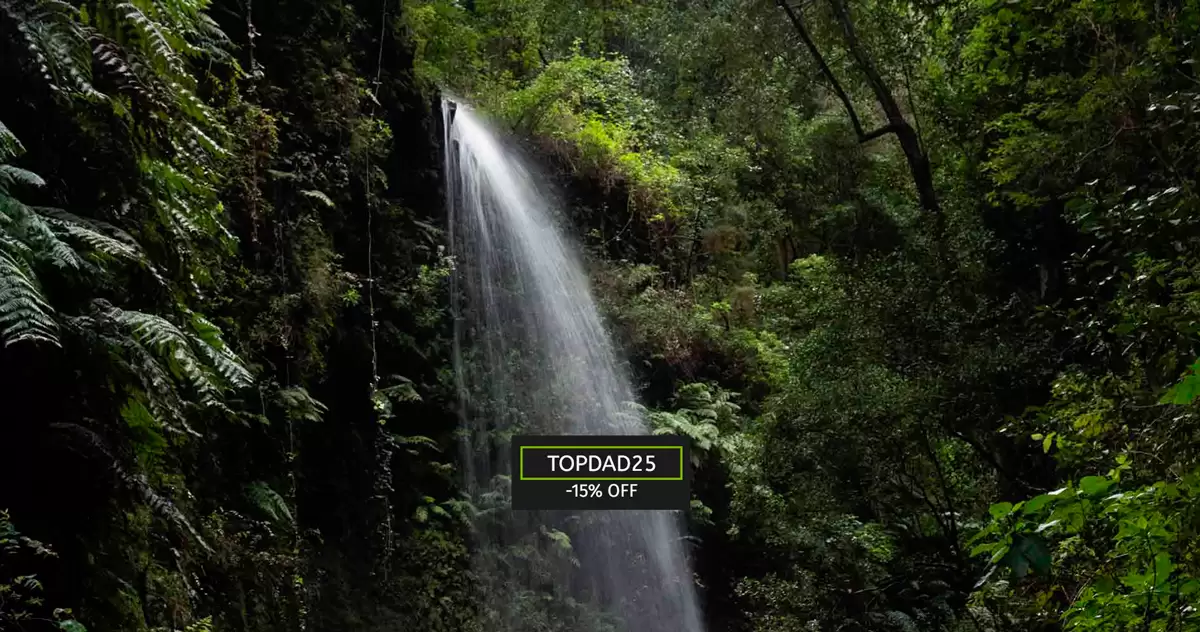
pixel 920 281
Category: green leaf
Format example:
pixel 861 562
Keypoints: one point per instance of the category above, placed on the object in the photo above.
pixel 1135 581
pixel 1186 390
pixel 1163 567
pixel 984 548
pixel 1037 502
pixel 1000 510
pixel 1028 552
pixel 1094 485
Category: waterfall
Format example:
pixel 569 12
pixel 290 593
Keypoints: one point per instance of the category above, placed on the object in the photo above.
pixel 532 357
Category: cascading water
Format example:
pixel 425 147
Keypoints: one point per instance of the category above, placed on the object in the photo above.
pixel 532 357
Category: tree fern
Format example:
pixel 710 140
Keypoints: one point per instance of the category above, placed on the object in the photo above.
pixel 33 238
pixel 220 357
pixel 56 41
pixel 25 315
pixel 178 351
pixel 100 237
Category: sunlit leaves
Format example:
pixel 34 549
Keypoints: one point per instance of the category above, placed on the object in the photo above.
pixel 1145 524
pixel 1186 391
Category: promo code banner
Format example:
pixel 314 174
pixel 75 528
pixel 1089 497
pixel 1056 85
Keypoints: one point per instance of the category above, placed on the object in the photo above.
pixel 580 472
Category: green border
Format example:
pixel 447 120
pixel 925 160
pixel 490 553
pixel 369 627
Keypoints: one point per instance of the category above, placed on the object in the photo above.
pixel 521 471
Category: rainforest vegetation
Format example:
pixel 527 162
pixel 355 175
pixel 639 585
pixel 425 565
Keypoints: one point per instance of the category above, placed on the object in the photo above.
pixel 919 280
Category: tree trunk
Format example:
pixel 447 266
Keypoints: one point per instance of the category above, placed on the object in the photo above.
pixel 910 143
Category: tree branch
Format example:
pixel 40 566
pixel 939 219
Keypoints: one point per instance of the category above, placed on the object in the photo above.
pixel 825 70
pixel 883 131
pixel 918 162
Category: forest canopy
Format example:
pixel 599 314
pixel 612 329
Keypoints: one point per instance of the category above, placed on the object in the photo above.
pixel 919 281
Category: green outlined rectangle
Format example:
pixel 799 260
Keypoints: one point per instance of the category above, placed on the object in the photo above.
pixel 521 471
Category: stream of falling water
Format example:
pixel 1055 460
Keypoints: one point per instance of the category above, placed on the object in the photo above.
pixel 532 357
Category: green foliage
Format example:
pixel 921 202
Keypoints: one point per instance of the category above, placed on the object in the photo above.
pixel 1132 542
pixel 270 503
pixel 34 239
pixel 232 271
pixel 20 603
pixel 701 415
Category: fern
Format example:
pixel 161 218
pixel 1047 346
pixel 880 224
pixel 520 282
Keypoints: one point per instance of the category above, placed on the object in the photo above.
pixel 269 502
pixel 178 351
pixel 24 313
pixel 45 245
pixel 319 196
pixel 299 405
pixel 10 175
pixel 57 43
pixel 136 484
pixel 187 206
pixel 219 355
pixel 162 54
pixel 10 146
pixel 100 237
pixel 25 240
pixel 39 237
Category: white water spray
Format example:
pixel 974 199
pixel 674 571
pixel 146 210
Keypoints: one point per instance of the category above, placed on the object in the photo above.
pixel 532 357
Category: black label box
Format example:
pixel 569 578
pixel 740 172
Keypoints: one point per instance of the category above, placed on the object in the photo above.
pixel 580 472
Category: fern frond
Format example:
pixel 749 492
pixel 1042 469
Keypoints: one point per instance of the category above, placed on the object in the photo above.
pixel 163 507
pixel 112 61
pixel 57 43
pixel 136 484
pixel 158 387
pixel 25 224
pixel 10 146
pixel 185 204
pixel 161 396
pixel 318 196
pixel 25 315
pixel 299 405
pixel 219 355
pixel 172 346
pixel 10 175
pixel 116 243
pixel 269 502
pixel 201 357
pixel 151 33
